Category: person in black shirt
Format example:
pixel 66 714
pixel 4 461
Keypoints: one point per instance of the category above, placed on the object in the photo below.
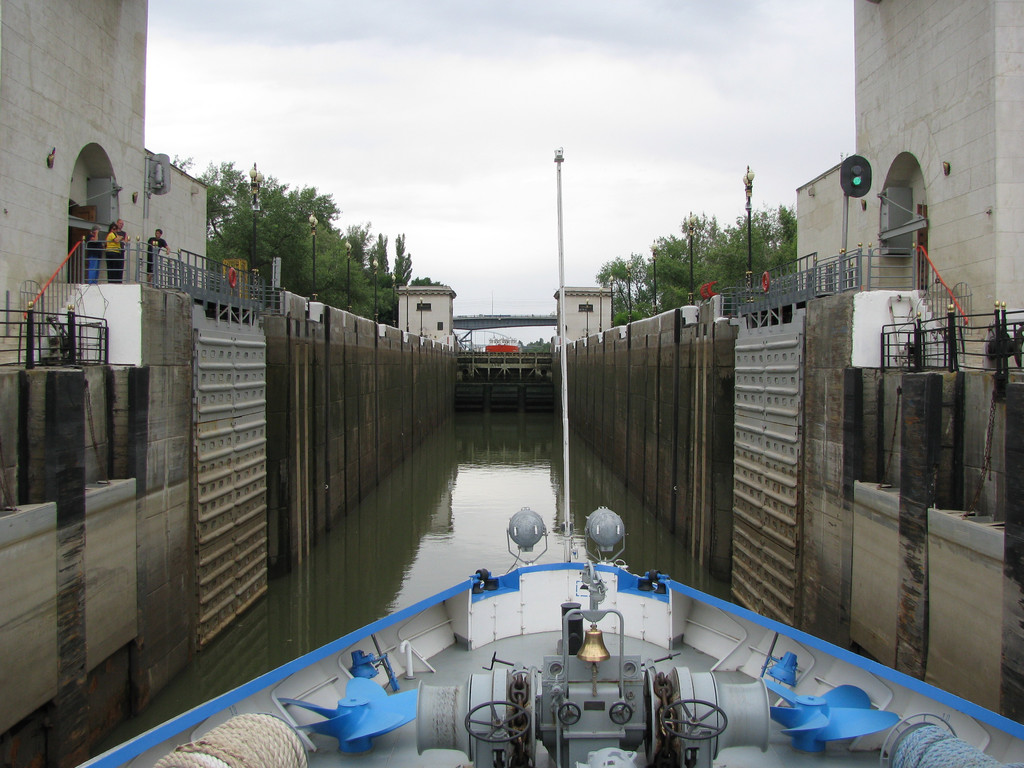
pixel 156 244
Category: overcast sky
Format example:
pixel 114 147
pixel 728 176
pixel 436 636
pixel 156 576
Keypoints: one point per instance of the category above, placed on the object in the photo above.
pixel 439 118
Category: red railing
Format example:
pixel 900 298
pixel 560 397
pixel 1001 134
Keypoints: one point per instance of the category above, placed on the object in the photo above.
pixel 952 296
pixel 79 246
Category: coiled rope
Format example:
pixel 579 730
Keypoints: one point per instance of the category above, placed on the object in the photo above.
pixel 244 741
pixel 934 747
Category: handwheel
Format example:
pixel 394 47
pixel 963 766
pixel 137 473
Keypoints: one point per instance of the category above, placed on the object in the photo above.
pixel 691 723
pixel 497 730
pixel 620 713
pixel 569 713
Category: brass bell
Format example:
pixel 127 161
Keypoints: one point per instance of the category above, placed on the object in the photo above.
pixel 593 648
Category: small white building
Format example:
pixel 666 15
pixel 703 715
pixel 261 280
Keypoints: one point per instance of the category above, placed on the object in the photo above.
pixel 587 311
pixel 427 311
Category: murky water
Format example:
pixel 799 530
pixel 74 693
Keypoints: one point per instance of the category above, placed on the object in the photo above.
pixel 441 516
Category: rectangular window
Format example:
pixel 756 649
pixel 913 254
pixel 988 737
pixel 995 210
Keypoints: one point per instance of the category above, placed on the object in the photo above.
pixel 423 306
pixel 586 307
pixel 440 325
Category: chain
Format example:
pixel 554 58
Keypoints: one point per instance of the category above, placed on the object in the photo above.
pixel 519 693
pixel 892 440
pixel 986 465
pixel 665 755
pixel 100 465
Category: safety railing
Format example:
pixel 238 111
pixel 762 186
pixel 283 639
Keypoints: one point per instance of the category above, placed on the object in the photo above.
pixel 799 281
pixel 956 342
pixel 811 277
pixel 206 280
pixel 32 338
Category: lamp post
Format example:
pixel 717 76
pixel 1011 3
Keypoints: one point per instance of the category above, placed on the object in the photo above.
pixel 312 228
pixel 654 266
pixel 348 274
pixel 748 185
pixel 629 292
pixel 375 289
pixel 691 224
pixel 255 180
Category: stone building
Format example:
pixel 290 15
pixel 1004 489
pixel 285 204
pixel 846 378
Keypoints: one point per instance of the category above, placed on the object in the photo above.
pixel 940 105
pixel 72 139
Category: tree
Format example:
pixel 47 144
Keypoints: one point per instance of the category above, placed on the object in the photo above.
pixel 279 229
pixel 719 257
pixel 403 262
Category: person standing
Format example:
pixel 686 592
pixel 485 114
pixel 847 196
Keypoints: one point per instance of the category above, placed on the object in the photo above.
pixel 115 252
pixel 156 244
pixel 94 248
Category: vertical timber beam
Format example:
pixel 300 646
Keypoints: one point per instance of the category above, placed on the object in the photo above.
pixel 1011 694
pixel 853 470
pixel 65 483
pixel 919 461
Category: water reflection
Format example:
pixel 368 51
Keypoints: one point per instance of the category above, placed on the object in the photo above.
pixel 440 516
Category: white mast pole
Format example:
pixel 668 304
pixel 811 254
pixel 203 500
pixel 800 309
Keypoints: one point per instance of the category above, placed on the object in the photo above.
pixel 567 528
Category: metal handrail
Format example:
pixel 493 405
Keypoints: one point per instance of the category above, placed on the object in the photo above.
pixel 32 337
pixel 956 342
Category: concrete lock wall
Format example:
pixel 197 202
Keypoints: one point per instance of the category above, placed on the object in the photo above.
pixel 347 401
pixel 99 471
pixel 654 400
pixel 878 451
pixel 964 580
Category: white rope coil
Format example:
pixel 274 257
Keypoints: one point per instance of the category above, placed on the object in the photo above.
pixel 244 741
pixel 933 747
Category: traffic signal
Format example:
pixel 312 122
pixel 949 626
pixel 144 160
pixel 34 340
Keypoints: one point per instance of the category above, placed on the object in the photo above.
pixel 855 176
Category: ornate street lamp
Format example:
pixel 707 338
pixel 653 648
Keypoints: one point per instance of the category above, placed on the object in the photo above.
pixel 312 229
pixel 629 292
pixel 691 224
pixel 748 185
pixel 375 289
pixel 255 181
pixel 654 265
pixel 348 274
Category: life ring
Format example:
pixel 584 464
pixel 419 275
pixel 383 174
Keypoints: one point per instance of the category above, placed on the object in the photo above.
pixel 766 281
pixel 233 276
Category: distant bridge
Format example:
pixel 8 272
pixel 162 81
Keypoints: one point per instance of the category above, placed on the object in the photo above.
pixel 480 322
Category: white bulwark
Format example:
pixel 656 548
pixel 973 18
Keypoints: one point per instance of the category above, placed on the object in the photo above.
pixel 587 311
pixel 427 311
pixel 940 105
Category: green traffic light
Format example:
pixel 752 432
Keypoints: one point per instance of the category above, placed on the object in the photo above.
pixel 856 181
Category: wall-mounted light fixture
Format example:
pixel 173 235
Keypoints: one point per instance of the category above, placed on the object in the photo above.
pixel 51 157
pixel 945 168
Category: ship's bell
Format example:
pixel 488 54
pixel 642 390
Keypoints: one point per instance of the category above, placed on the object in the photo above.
pixel 593 648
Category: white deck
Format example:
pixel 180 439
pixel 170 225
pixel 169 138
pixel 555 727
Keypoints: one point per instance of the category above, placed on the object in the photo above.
pixel 520 623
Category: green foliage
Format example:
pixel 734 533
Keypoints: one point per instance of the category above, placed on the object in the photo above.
pixel 345 276
pixel 403 262
pixel 719 257
pixel 540 345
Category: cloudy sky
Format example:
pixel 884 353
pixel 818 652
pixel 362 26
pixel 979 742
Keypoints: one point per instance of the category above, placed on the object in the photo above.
pixel 439 118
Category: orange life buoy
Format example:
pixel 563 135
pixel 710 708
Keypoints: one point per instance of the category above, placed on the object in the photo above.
pixel 766 281
pixel 233 276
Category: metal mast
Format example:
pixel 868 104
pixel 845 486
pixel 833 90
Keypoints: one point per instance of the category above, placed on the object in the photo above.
pixel 567 528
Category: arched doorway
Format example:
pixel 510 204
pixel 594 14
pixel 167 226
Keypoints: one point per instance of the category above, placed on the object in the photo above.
pixel 92 198
pixel 903 224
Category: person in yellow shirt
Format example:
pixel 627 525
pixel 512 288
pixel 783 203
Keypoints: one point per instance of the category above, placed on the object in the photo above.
pixel 115 252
